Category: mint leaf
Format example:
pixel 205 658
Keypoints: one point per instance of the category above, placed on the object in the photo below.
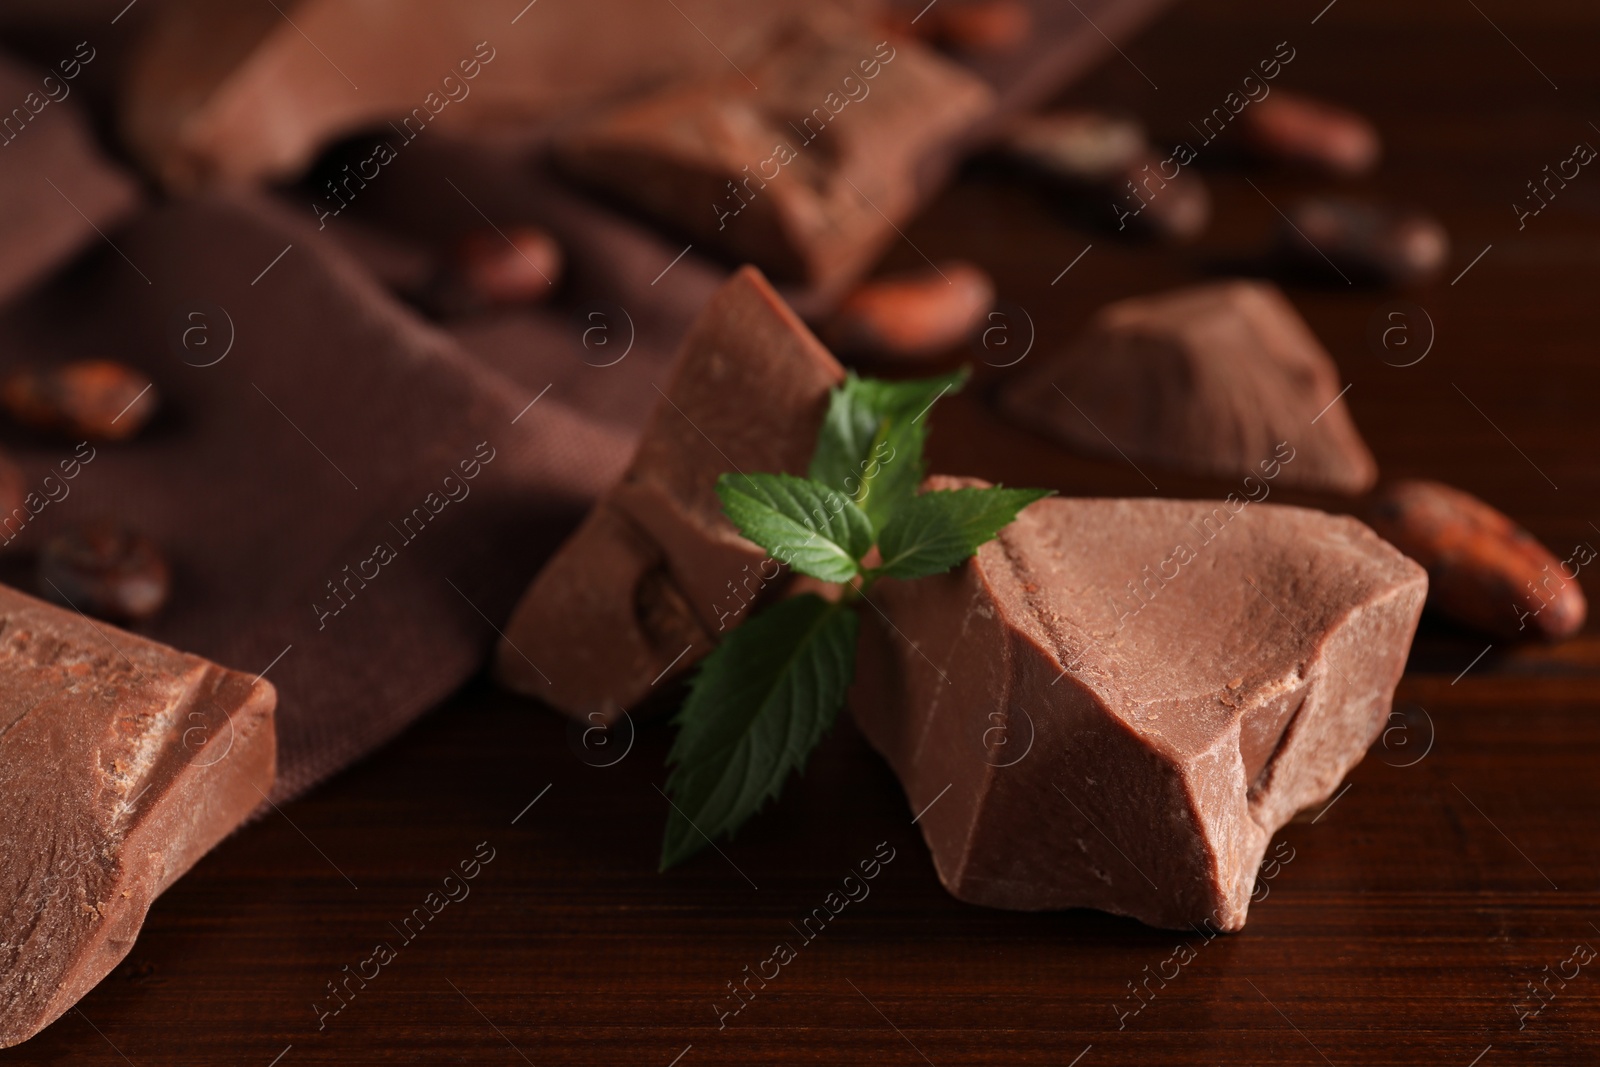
pixel 870 443
pixel 758 706
pixel 802 523
pixel 933 532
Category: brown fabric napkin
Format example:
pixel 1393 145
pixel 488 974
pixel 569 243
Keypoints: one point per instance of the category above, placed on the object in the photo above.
pixel 56 188
pixel 338 423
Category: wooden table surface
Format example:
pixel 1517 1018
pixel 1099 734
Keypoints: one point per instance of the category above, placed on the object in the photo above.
pixel 1458 866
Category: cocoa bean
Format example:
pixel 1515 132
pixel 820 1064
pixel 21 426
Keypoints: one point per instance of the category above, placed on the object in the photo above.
pixel 492 269
pixel 978 27
pixel 1172 209
pixel 99 399
pixel 1077 147
pixel 1484 570
pixel 105 570
pixel 1367 242
pixel 1289 128
pixel 913 316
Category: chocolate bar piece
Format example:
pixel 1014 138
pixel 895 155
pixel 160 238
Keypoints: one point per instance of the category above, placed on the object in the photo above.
pixel 804 164
pixel 122 762
pixel 1117 703
pixel 1215 379
pixel 656 573
pixel 238 92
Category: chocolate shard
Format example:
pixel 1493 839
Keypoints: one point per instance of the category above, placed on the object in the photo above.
pixel 235 93
pixel 806 177
pixel 1222 379
pixel 605 617
pixel 643 589
pixel 1117 703
pixel 122 762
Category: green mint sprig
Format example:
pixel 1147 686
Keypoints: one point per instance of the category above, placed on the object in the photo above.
pixel 762 701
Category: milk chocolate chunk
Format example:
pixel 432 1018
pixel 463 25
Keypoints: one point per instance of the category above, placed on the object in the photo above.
pixel 1121 701
pixel 1221 379
pixel 657 573
pixel 239 93
pixel 807 176
pixel 1484 570
pixel 122 762
pixel 606 618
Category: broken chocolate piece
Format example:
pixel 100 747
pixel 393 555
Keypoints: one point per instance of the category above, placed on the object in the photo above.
pixel 911 316
pixel 656 573
pixel 1172 681
pixel 1291 128
pixel 1369 242
pixel 1483 569
pixel 236 93
pixel 1223 379
pixel 105 570
pixel 606 617
pixel 122 762
pixel 806 177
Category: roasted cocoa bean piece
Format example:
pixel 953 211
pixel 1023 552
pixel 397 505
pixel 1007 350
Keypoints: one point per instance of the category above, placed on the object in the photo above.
pixel 1076 147
pixel 1484 570
pixel 105 570
pixel 1369 242
pixel 491 269
pixel 979 27
pixel 1173 209
pixel 95 398
pixel 913 316
pixel 1289 128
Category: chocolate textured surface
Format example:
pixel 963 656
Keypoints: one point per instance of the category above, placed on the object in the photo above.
pixel 230 92
pixel 807 176
pixel 1210 379
pixel 122 762
pixel 1179 678
pixel 657 571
